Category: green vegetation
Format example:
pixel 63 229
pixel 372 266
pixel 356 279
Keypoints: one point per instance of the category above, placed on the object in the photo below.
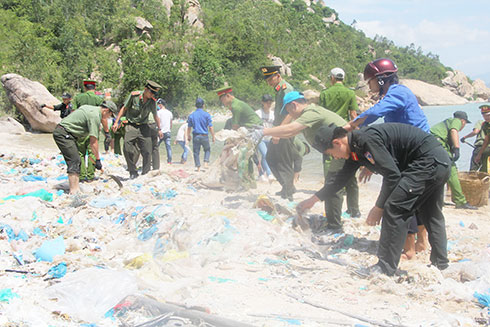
pixel 61 42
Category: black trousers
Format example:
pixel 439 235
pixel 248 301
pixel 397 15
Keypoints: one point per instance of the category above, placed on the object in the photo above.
pixel 420 191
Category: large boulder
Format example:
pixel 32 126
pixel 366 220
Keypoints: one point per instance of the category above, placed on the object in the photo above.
pixel 481 90
pixel 192 14
pixel 276 61
pixel 27 96
pixel 312 96
pixel 11 126
pixel 432 95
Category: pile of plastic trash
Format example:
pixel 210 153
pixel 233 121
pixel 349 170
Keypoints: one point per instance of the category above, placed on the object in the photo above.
pixel 161 252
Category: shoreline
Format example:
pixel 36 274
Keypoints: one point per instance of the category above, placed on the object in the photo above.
pixel 218 251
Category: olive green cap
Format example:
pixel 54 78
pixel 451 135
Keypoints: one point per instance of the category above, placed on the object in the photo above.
pixel 153 86
pixel 109 105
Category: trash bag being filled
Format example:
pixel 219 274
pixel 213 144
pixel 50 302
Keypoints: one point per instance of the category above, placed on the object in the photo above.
pixel 233 170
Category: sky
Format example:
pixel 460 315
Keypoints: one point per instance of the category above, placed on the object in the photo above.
pixel 457 31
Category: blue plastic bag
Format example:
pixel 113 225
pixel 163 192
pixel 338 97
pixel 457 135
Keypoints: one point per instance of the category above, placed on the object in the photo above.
pixel 49 249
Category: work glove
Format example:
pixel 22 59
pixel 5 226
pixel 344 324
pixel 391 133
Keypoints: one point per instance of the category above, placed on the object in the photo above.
pixel 455 152
pixel 42 106
pixel 256 134
pixel 98 164
pixel 462 140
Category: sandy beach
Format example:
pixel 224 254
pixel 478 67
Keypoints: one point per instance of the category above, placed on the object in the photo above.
pixel 163 238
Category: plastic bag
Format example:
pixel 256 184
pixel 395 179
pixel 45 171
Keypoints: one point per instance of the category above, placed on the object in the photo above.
pixel 42 194
pixel 88 294
pixel 50 248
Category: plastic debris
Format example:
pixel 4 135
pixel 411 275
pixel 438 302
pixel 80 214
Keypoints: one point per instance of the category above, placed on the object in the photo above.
pixel 42 194
pixel 6 295
pixel 33 178
pixel 483 299
pixel 58 271
pixel 49 249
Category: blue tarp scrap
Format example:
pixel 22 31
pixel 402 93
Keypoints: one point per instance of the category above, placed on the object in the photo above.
pixel 21 235
pixel 483 299
pixel 58 271
pixel 6 295
pixel 33 178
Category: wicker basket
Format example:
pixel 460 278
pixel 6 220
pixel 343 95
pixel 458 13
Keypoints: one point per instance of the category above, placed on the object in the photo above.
pixel 475 187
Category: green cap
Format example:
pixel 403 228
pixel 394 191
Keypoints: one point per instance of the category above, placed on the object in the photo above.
pixel 153 86
pixel 110 105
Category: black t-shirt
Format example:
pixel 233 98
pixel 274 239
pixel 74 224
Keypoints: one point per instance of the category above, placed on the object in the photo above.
pixel 65 109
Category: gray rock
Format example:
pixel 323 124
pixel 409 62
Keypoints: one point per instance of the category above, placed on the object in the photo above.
pixel 11 126
pixel 276 61
pixel 480 89
pixel 432 95
pixel 312 96
pixel 27 96
pixel 143 25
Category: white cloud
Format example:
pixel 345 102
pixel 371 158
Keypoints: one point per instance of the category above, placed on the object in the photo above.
pixel 430 35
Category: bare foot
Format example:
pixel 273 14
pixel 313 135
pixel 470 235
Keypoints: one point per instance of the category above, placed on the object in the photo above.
pixel 420 247
pixel 409 248
pixel 409 255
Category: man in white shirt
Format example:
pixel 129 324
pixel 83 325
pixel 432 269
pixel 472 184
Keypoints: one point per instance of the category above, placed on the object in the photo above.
pixel 165 126
pixel 181 140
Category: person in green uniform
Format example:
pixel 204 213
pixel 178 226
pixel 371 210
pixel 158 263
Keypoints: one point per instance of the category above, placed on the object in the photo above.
pixel 447 133
pixel 308 118
pixel 283 160
pixel 339 98
pixel 87 172
pixel 242 114
pixel 82 123
pixel 118 136
pixel 481 130
pixel 137 108
pixel 342 100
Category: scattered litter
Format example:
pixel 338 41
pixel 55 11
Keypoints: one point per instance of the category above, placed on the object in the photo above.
pixel 50 248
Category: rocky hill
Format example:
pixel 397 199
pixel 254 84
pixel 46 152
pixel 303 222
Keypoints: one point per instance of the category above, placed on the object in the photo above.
pixel 192 47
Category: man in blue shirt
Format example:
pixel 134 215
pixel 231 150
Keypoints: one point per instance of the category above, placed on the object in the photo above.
pixel 199 123
pixel 397 105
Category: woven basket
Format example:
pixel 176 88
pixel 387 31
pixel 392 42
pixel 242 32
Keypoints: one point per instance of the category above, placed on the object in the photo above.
pixel 475 187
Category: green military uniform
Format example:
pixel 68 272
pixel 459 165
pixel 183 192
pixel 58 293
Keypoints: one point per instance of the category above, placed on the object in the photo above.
pixel 87 166
pixel 243 115
pixel 484 128
pixel 283 158
pixel 118 135
pixel 138 134
pixel 339 99
pixel 79 125
pixel 314 117
pixel 441 132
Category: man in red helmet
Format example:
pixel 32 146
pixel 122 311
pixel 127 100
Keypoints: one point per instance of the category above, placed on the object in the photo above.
pixel 397 105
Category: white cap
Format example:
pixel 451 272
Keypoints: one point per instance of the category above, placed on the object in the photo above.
pixel 337 73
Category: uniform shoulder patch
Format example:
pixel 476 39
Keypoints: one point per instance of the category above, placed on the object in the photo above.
pixel 278 88
pixel 135 93
pixel 369 157
pixel 284 86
